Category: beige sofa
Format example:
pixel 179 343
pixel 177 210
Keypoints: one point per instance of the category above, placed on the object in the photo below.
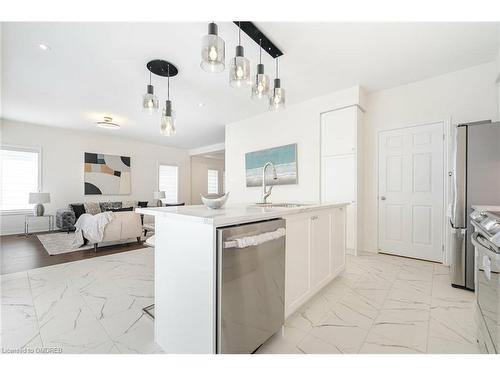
pixel 125 226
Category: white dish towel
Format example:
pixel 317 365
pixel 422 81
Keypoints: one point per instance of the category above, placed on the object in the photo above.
pixel 255 240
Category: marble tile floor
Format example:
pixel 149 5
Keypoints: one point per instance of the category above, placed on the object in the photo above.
pixel 88 306
pixel 380 304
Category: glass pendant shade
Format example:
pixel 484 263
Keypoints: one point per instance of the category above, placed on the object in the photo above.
pixel 212 51
pixel 277 98
pixel 260 87
pixel 167 121
pixel 150 100
pixel 239 70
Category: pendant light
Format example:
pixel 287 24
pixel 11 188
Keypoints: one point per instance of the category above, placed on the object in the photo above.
pixel 150 100
pixel 277 99
pixel 239 70
pixel 260 87
pixel 167 121
pixel 212 51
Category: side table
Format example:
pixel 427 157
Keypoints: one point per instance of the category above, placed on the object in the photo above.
pixel 27 218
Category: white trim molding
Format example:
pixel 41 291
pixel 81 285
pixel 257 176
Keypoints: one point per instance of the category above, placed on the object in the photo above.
pixel 206 149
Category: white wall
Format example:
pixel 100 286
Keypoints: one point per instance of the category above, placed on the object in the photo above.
pixel 1 74
pixel 299 124
pixel 465 95
pixel 498 81
pixel 199 176
pixel 62 165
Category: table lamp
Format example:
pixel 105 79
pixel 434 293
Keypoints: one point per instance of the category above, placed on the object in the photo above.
pixel 159 195
pixel 38 199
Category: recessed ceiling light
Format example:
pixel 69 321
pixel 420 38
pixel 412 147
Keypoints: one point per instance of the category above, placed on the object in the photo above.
pixel 201 104
pixel 44 47
pixel 107 123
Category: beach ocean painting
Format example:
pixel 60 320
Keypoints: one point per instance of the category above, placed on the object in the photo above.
pixel 284 159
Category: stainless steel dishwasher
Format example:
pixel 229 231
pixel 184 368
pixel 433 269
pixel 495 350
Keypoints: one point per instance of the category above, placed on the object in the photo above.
pixel 250 285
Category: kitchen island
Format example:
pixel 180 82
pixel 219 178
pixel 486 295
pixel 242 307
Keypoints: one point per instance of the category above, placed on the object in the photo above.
pixel 186 264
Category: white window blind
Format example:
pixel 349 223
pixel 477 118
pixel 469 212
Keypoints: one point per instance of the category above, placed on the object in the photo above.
pixel 213 181
pixel 19 176
pixel 168 182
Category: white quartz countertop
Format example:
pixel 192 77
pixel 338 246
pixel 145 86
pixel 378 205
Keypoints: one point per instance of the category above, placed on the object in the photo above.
pixel 232 214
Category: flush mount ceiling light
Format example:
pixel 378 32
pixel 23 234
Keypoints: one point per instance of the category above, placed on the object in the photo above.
pixel 260 86
pixel 277 99
pixel 212 51
pixel 107 123
pixel 149 99
pixel 239 70
pixel 44 47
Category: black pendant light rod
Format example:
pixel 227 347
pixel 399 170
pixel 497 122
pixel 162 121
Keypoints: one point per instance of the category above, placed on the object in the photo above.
pixel 260 51
pixel 168 82
pixel 255 34
pixel 239 33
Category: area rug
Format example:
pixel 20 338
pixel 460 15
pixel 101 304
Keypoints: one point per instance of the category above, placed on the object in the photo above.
pixel 60 243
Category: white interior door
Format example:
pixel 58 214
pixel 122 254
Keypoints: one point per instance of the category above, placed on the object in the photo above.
pixel 411 192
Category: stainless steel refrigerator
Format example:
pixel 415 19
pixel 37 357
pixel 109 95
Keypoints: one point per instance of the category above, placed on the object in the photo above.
pixel 476 181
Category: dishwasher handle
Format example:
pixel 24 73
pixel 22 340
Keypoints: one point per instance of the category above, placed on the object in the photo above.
pixel 247 241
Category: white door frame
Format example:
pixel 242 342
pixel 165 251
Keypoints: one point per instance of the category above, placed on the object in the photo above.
pixel 446 127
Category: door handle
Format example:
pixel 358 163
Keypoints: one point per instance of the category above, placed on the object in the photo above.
pixel 382 198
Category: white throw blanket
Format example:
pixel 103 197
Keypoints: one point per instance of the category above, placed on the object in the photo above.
pixel 255 240
pixel 91 227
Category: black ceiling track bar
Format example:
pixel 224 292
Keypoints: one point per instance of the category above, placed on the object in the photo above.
pixel 256 35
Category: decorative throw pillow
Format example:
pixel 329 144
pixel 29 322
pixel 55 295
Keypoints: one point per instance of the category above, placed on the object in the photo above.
pixel 142 204
pixel 92 208
pixel 78 209
pixel 108 206
pixel 122 209
pixel 127 204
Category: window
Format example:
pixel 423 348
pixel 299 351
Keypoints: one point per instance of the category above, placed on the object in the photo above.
pixel 19 176
pixel 213 181
pixel 168 182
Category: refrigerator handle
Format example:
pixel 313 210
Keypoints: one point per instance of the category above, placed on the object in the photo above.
pixel 458 209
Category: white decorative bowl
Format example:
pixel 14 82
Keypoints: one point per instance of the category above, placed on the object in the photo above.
pixel 216 202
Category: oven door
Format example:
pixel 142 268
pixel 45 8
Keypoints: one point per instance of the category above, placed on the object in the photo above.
pixel 487 287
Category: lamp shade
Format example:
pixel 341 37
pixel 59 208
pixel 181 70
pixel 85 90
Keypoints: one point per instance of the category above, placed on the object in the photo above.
pixel 159 195
pixel 39 198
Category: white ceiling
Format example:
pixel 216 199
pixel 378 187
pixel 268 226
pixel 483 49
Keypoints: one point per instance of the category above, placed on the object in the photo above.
pixel 97 69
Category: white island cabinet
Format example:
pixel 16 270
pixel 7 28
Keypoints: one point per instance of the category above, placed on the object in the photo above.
pixel 315 253
pixel 186 264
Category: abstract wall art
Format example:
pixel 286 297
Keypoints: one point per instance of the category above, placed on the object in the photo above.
pixel 284 159
pixel 106 174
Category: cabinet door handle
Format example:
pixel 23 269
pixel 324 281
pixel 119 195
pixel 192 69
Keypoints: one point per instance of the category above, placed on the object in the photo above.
pixel 382 198
pixel 314 217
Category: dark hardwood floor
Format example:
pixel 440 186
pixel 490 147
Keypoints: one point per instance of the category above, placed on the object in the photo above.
pixel 21 253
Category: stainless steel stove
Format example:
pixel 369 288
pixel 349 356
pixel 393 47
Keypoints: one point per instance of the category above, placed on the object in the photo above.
pixel 486 240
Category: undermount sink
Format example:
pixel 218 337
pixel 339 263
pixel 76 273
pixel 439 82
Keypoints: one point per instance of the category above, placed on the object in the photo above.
pixel 283 205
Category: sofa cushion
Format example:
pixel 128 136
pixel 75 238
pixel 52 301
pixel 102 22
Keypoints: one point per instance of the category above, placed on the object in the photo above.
pixel 109 206
pixel 127 204
pixel 121 209
pixel 78 209
pixel 92 208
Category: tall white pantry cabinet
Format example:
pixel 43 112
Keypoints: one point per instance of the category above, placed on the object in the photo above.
pixel 342 167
